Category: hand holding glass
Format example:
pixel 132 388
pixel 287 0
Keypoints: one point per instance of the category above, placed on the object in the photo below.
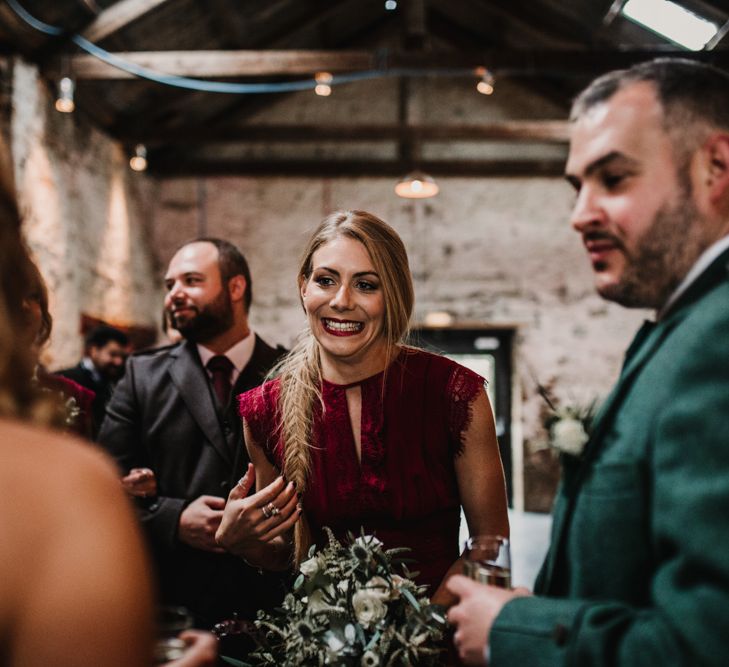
pixel 487 559
pixel 171 621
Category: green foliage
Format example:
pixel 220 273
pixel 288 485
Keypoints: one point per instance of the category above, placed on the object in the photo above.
pixel 349 606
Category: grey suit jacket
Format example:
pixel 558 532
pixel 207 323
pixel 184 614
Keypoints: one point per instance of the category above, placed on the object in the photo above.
pixel 164 415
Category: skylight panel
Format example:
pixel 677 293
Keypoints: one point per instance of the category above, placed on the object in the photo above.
pixel 672 21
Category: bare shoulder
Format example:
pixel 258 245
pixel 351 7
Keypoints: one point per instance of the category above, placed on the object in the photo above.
pixel 71 552
pixel 43 467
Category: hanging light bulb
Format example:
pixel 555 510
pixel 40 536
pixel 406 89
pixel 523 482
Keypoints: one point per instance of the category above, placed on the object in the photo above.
pixel 138 161
pixel 323 83
pixel 486 85
pixel 417 185
pixel 390 5
pixel 64 101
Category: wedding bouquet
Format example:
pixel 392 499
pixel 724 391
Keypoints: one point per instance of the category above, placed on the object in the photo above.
pixel 349 606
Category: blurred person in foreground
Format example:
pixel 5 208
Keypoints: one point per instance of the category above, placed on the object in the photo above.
pixel 74 587
pixel 74 581
pixel 638 569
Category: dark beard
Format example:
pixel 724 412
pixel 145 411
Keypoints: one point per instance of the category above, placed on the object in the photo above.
pixel 210 321
pixel 663 257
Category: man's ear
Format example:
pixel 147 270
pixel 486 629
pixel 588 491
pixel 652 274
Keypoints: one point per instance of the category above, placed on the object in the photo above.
pixel 237 288
pixel 715 171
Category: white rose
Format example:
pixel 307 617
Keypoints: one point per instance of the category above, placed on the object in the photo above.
pixel 569 436
pixel 368 607
pixel 379 587
pixel 309 567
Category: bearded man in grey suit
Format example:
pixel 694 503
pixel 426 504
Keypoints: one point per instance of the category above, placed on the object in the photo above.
pixel 174 414
pixel 638 569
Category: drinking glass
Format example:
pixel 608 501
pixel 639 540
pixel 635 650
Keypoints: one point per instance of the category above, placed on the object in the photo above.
pixel 487 559
pixel 171 621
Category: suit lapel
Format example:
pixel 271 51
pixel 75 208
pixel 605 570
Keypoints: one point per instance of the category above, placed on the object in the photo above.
pixel 646 342
pixel 189 378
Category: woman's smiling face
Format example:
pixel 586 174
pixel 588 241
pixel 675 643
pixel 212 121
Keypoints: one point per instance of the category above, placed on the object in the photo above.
pixel 345 305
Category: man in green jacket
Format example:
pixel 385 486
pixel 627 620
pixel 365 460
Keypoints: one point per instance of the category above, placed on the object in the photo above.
pixel 638 568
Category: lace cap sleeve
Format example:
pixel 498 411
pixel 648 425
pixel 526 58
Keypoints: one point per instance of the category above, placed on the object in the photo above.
pixel 463 387
pixel 258 407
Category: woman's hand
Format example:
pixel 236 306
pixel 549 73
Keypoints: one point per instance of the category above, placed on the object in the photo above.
pixel 251 523
pixel 140 482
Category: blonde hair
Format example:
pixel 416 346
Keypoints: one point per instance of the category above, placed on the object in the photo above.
pixel 300 370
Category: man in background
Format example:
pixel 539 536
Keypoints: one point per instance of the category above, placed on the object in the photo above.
pixel 105 351
pixel 174 413
pixel 638 568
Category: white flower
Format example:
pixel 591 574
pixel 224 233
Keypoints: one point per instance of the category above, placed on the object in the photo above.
pixel 368 607
pixel 334 644
pixel 379 587
pixel 370 659
pixel 568 435
pixel 309 567
pixel 343 585
pixel 317 601
pixel 368 541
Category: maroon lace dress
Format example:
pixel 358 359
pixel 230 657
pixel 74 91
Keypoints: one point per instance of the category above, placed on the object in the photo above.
pixel 404 490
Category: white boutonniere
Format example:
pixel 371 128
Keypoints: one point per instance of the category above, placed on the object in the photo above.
pixel 568 427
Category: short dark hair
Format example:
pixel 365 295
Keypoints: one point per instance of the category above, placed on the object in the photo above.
pixel 690 93
pixel 103 334
pixel 231 263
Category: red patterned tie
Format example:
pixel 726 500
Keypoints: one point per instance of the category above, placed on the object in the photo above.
pixel 221 368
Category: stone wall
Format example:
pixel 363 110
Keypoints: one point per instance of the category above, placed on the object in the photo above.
pixel 86 217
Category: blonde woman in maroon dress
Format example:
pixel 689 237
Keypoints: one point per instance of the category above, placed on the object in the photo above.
pixel 358 430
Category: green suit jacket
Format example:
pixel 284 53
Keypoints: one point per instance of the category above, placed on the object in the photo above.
pixel 638 568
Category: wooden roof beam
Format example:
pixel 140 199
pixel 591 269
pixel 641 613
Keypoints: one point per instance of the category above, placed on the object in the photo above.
pixel 230 64
pixel 117 17
pixel 176 165
pixel 543 131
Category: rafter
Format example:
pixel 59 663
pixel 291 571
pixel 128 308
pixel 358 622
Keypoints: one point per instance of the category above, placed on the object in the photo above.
pixel 177 165
pixel 542 131
pixel 117 16
pixel 224 64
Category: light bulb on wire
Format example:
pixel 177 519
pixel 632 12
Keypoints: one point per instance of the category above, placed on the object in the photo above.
pixel 138 161
pixel 323 84
pixel 64 101
pixel 485 86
